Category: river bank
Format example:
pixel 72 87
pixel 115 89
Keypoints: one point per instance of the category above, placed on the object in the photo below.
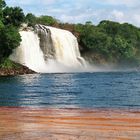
pixel 65 124
pixel 16 70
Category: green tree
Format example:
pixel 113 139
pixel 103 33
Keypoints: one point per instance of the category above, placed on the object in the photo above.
pixel 88 23
pixel 79 27
pixel 13 16
pixel 10 19
pixel 2 5
pixel 31 19
pixel 109 27
pixel 1 25
pixel 9 40
pixel 92 39
pixel 47 20
pixel 121 48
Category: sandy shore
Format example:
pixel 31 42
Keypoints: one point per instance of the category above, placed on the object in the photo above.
pixel 69 124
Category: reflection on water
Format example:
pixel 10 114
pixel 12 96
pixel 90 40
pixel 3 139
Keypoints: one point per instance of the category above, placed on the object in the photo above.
pixel 29 79
pixel 61 88
pixel 52 89
pixel 36 90
pixel 88 90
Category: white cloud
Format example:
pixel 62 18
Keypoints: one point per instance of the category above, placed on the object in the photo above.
pixel 78 18
pixel 30 2
pixel 129 3
pixel 117 15
pixel 17 2
pixel 76 11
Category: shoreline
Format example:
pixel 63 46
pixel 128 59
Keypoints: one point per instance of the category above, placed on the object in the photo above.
pixel 19 70
pixel 65 124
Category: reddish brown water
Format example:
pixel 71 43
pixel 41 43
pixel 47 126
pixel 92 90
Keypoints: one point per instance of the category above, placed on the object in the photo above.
pixel 68 124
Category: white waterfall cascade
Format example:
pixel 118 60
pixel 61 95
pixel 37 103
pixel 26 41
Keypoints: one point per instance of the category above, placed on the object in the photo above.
pixel 49 49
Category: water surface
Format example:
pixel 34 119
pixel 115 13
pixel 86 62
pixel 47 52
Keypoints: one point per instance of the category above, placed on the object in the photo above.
pixel 72 90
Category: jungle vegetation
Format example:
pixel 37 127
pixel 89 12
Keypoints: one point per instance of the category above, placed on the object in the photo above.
pixel 109 41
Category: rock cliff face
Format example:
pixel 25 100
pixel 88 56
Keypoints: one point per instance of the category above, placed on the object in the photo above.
pixel 20 70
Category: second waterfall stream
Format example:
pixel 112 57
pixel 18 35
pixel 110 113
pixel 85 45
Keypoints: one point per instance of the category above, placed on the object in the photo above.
pixel 48 50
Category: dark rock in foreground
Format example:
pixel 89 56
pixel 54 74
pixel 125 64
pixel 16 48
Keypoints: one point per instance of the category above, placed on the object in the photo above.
pixel 19 70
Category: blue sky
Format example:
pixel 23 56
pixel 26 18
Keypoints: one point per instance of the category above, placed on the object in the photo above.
pixel 80 11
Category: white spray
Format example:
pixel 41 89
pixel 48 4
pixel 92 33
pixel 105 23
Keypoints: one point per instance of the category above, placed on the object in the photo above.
pixel 64 51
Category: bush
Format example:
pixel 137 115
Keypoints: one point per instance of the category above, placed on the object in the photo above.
pixel 9 40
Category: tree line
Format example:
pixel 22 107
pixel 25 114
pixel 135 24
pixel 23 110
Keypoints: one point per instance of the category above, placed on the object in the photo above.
pixel 108 41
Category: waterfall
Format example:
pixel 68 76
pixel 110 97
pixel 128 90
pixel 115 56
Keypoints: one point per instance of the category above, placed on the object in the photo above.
pixel 48 49
pixel 29 53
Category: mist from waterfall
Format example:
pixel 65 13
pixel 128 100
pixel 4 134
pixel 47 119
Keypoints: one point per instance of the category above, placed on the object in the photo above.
pixel 48 50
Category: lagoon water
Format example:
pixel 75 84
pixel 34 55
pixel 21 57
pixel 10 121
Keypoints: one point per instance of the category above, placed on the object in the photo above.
pixel 72 90
pixel 77 106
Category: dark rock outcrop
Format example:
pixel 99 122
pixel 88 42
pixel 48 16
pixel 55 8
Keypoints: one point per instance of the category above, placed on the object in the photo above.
pixel 20 70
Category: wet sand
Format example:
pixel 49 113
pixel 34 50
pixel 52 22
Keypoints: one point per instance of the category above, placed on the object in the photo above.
pixel 69 124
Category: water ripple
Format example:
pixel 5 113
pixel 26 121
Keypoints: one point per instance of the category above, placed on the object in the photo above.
pixel 110 89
